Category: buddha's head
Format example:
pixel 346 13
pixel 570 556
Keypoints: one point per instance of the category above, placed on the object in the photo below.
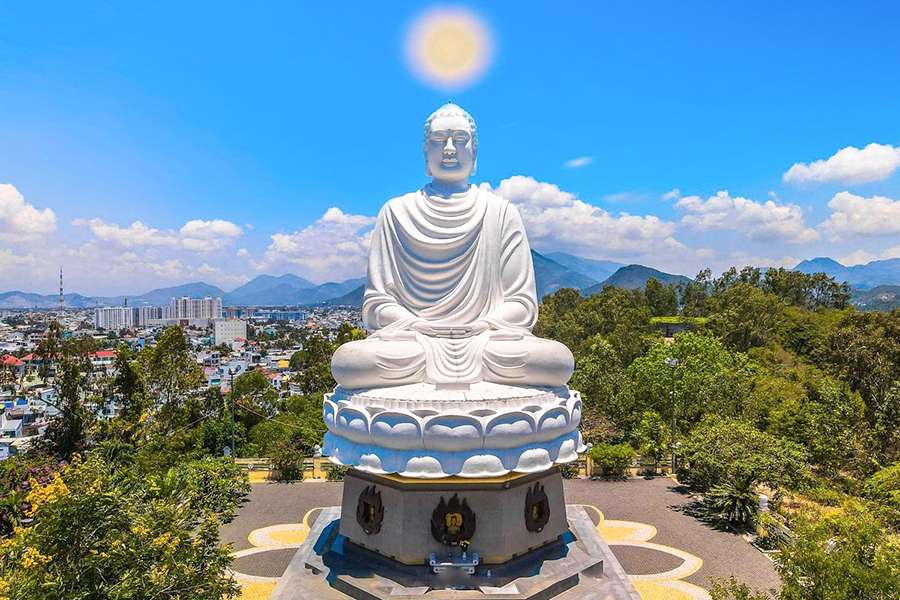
pixel 451 145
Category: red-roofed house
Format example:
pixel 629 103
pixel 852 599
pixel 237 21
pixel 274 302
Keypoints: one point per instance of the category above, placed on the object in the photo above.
pixel 8 361
pixel 103 359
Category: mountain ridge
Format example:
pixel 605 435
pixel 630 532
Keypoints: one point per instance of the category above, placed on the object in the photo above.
pixel 553 271
pixel 863 276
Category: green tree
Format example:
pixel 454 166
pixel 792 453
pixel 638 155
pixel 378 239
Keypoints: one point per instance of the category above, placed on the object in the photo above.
pixel 864 350
pixel 104 531
pixel 348 333
pixel 884 486
pixel 810 291
pixel 722 451
pixel 288 461
pixel 67 432
pixel 826 419
pixel 267 435
pixel 662 300
pixel 744 316
pixel 695 294
pixel 605 390
pixel 653 437
pixel 49 349
pixel 171 375
pixel 313 363
pixel 709 378
pixel 254 397
pixel 128 387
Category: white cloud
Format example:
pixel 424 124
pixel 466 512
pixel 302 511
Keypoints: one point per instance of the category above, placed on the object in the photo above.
pixel 579 162
pixel 136 234
pixel 853 215
pixel 673 194
pixel 243 253
pixel 203 236
pixel 861 257
pixel 760 221
pixel 558 220
pixel 196 235
pixel 10 261
pixel 20 220
pixel 334 247
pixel 848 165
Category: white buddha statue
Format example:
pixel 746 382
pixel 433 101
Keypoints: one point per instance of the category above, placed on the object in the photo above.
pixel 450 298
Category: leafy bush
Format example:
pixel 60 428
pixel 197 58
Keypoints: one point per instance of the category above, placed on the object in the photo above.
pixel 216 485
pixel 569 470
pixel 287 461
pixel 732 589
pixel 884 486
pixel 824 496
pixel 336 473
pixel 612 459
pixel 840 554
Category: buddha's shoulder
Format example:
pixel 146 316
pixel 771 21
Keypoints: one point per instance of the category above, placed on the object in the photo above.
pixel 488 194
pixel 404 201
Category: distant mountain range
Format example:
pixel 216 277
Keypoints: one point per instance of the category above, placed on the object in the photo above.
pixel 632 277
pixel 598 270
pixel 876 285
pixel 882 297
pixel 869 275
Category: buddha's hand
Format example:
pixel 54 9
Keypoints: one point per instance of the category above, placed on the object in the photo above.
pixel 450 331
pixel 425 328
pixel 477 327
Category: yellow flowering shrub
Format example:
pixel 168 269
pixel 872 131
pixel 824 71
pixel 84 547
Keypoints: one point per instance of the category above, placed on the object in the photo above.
pixel 42 494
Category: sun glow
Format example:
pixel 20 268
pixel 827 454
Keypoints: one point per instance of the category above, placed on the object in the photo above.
pixel 449 48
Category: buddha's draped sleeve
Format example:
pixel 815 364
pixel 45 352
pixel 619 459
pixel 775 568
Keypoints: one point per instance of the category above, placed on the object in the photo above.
pixel 380 307
pixel 519 308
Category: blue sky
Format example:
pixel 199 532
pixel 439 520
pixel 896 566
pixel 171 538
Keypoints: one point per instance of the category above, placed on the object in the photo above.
pixel 278 131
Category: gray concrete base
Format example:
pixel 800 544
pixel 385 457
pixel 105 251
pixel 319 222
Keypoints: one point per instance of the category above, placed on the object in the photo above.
pixel 579 566
pixel 498 505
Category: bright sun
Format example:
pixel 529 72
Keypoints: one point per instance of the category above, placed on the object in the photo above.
pixel 449 48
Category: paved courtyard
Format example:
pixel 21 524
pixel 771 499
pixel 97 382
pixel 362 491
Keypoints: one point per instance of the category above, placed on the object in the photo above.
pixel 668 554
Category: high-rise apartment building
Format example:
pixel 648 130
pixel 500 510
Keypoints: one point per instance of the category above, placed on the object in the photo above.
pixel 115 317
pixel 193 309
pixel 179 309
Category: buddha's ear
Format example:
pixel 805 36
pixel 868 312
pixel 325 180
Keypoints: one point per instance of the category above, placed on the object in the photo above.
pixel 474 166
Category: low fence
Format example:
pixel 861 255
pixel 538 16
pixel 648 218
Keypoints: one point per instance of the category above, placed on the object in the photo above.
pixel 260 469
pixel 317 468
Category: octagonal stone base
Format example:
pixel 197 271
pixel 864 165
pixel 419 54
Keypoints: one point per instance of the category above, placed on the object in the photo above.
pixel 578 566
pixel 498 505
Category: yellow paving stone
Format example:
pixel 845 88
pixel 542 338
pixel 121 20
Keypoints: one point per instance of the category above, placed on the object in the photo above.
pixel 654 591
pixel 253 590
pixel 290 536
pixel 611 533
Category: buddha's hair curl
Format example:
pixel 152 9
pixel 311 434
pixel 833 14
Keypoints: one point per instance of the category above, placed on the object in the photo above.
pixel 448 110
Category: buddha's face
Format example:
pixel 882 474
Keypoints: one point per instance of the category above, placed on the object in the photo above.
pixel 449 149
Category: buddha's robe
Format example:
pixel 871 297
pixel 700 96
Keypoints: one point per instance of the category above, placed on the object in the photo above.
pixel 450 262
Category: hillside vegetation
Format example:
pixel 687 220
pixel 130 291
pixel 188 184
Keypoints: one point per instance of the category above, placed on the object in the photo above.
pixel 780 388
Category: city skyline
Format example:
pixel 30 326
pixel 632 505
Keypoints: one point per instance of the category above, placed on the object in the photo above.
pixel 142 152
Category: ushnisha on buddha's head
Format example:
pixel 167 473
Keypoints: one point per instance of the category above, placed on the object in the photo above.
pixel 451 147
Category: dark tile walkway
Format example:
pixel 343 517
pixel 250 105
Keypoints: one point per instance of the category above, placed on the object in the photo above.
pixel 655 502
